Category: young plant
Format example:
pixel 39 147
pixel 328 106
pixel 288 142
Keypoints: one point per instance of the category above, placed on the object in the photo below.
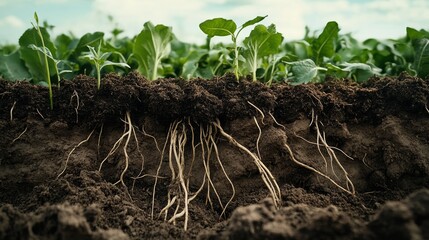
pixel 100 61
pixel 48 54
pixel 225 27
pixel 325 44
pixel 150 47
pixel 263 41
pixel 305 71
pixel 47 72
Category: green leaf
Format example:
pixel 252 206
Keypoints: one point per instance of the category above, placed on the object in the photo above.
pixel 64 45
pixel 89 39
pixel 218 27
pixel 421 61
pixel 253 21
pixel 414 34
pixel 36 18
pixel 324 45
pixel 110 63
pixel 13 68
pixel 360 72
pixel 261 42
pixel 43 51
pixel 34 60
pixel 151 46
pixel 305 71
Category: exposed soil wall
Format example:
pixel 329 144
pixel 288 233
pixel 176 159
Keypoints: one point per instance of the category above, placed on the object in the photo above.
pixel 49 159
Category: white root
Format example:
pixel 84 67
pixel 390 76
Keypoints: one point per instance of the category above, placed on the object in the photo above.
pixel 74 148
pixel 158 170
pixel 266 175
pixel 11 111
pixel 76 109
pixel 321 141
pixel 179 195
pixel 140 175
pixel 20 135
pixel 99 140
pixel 315 170
pixel 128 132
pixel 40 114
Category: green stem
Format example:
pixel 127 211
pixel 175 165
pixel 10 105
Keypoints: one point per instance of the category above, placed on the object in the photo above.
pixel 97 66
pixel 255 62
pixel 48 75
pixel 236 60
pixel 58 76
pixel 155 71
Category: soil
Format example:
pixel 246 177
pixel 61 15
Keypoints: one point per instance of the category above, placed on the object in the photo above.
pixel 87 169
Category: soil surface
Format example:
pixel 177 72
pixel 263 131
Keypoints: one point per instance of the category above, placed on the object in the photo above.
pixel 223 159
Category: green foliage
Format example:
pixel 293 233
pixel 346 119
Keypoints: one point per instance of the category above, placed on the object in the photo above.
pixel 13 68
pixel 224 27
pixel 324 45
pixel 151 46
pixel 35 60
pixel 34 35
pixel 155 52
pixel 262 42
pixel 45 51
pixel 99 59
pixel 305 71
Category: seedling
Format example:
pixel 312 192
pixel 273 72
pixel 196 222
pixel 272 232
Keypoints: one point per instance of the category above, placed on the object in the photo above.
pixel 47 72
pixel 100 61
pixel 151 46
pixel 224 27
pixel 48 54
pixel 262 41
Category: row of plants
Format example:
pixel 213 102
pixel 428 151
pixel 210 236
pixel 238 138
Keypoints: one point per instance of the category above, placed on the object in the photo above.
pixel 264 54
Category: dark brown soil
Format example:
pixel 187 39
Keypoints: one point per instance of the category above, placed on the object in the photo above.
pixel 379 131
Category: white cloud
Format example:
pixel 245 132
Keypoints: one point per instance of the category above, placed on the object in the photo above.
pixel 11 21
pixel 185 15
pixel 373 18
pixel 40 2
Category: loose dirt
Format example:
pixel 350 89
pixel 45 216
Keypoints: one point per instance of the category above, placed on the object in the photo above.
pixel 51 186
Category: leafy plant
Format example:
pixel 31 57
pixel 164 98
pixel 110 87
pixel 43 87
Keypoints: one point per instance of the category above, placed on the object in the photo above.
pixel 262 41
pixel 150 47
pixel 100 61
pixel 420 43
pixel 48 53
pixel 305 71
pixel 324 45
pixel 224 27
pixel 13 68
pixel 45 60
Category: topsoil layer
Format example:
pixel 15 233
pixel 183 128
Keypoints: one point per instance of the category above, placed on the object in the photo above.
pixel 52 187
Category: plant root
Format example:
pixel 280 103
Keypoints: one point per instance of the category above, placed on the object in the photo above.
pixel 321 142
pixel 70 153
pixel 11 111
pixel 128 132
pixel 40 114
pixel 140 175
pixel 179 195
pixel 20 135
pixel 76 109
pixel 266 175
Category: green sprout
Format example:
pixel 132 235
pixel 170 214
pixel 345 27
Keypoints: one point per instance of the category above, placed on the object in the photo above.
pixel 48 54
pixel 47 72
pixel 100 61
pixel 224 27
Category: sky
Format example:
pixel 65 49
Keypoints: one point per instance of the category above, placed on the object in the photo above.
pixel 363 18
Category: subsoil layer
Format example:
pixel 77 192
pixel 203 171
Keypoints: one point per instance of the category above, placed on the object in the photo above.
pixel 89 168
